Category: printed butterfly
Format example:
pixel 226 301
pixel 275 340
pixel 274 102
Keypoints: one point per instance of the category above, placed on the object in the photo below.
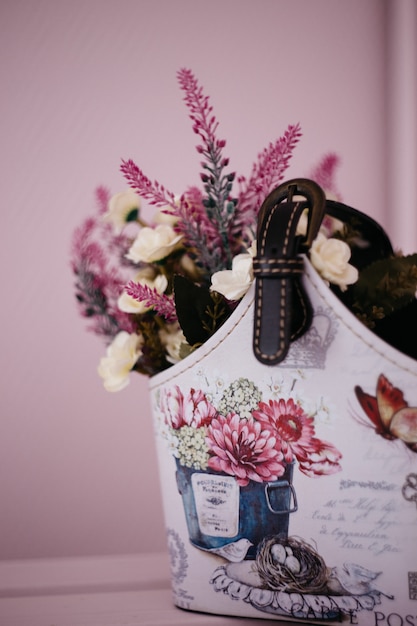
pixel 390 413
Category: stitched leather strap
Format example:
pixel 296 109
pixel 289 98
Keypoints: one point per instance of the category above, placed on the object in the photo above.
pixel 375 243
pixel 282 310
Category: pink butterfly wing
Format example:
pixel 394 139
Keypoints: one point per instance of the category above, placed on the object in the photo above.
pixel 370 405
pixel 390 400
pixel 390 413
pixel 404 425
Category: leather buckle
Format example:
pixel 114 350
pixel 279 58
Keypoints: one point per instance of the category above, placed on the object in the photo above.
pixel 282 310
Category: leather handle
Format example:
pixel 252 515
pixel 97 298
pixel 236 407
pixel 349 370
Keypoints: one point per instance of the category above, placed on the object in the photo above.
pixel 309 190
pixel 282 310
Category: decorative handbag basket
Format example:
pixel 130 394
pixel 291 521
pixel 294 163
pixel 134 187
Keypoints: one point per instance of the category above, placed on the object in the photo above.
pixel 287 460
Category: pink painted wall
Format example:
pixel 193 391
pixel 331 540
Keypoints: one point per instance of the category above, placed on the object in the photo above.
pixel 85 83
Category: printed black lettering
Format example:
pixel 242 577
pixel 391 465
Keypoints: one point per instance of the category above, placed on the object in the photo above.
pixel 311 613
pixel 394 619
pixel 379 617
pixel 353 616
pixel 295 609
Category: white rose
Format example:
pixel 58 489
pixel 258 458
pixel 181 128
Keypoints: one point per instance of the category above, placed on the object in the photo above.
pixel 130 305
pixel 189 267
pixel 172 339
pixel 329 226
pixel 121 356
pixel 161 217
pixel 252 249
pixel 121 208
pixel 234 283
pixel 302 224
pixel 154 244
pixel 331 257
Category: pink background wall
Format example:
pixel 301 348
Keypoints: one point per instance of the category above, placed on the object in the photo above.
pixel 84 84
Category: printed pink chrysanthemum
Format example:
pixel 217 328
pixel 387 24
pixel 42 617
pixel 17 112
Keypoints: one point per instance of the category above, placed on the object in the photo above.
pixel 171 404
pixel 192 409
pixel 292 426
pixel 197 410
pixel 323 459
pixel 244 449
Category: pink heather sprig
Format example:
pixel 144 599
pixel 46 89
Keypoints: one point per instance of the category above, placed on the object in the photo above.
pixel 267 173
pixel 200 234
pixel 114 245
pixel 161 303
pixel 219 205
pixel 324 174
pixel 103 196
pixel 98 282
pixel 154 192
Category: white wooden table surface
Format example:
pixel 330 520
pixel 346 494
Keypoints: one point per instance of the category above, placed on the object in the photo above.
pixel 98 591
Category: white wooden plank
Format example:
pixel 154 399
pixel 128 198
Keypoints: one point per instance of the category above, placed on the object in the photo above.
pixel 98 591
pixel 49 576
pixel 133 608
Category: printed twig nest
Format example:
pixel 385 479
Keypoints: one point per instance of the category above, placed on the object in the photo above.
pixel 290 565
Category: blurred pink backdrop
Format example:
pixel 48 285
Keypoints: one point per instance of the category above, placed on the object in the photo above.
pixel 84 84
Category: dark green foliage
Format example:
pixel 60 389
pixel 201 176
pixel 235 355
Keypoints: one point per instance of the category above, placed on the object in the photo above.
pixel 386 286
pixel 200 312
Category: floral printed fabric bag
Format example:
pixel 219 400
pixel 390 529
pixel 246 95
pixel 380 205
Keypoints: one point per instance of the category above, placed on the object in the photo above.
pixel 283 378
pixel 287 441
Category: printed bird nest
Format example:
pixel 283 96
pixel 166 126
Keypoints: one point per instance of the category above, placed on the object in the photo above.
pixel 290 565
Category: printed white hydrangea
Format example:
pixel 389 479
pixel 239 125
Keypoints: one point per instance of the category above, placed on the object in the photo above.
pixel 192 450
pixel 241 397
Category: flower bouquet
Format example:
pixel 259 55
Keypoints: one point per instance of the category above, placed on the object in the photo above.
pixel 159 293
pixel 177 299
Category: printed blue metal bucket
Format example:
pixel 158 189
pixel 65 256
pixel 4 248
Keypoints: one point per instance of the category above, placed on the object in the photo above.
pixel 218 512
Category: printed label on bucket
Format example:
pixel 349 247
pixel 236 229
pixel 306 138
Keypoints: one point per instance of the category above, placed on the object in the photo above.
pixel 217 504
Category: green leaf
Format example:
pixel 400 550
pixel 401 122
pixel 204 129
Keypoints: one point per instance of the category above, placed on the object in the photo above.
pixel 200 312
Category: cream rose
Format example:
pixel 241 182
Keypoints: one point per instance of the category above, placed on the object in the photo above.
pixel 329 226
pixel 234 283
pixel 154 244
pixel 172 339
pixel 252 249
pixel 330 257
pixel 121 208
pixel 302 224
pixel 130 305
pixel 161 217
pixel 121 356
